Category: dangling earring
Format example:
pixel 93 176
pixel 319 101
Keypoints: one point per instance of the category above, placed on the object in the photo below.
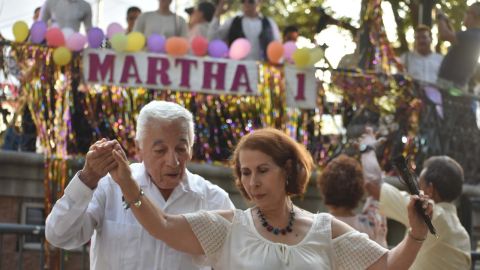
pixel 288 179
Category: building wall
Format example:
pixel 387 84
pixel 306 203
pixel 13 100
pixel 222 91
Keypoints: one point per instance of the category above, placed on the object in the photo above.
pixel 21 181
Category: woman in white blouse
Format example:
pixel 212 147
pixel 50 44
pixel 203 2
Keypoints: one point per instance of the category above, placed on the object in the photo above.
pixel 269 167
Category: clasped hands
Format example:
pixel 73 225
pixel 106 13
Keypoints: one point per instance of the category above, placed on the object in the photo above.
pixel 104 156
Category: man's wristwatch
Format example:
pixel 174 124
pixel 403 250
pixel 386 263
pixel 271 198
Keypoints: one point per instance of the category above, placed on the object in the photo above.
pixel 364 148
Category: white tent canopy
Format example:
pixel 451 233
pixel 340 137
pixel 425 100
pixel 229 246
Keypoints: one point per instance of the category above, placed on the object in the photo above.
pixel 104 11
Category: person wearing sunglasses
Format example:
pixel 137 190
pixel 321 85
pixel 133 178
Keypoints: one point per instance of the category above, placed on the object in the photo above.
pixel 200 18
pixel 252 25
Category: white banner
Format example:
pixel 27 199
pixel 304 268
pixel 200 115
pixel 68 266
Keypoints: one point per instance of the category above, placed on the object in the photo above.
pixel 193 74
pixel 160 71
pixel 301 87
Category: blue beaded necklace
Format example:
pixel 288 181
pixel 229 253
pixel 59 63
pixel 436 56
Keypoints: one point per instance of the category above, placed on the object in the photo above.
pixel 274 230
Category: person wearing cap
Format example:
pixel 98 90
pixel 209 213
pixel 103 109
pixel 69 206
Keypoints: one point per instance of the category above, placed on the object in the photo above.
pixel 200 18
pixel 252 25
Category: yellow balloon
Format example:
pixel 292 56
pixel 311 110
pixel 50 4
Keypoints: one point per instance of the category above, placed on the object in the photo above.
pixel 301 57
pixel 316 54
pixel 119 42
pixel 20 31
pixel 135 42
pixel 62 56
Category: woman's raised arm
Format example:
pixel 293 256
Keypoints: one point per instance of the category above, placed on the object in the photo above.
pixel 174 230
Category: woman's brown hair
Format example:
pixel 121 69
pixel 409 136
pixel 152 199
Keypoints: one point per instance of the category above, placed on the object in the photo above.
pixel 281 148
pixel 341 182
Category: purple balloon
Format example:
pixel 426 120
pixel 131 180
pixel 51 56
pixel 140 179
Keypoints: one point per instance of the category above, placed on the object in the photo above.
pixel 156 43
pixel 38 31
pixel 95 37
pixel 218 49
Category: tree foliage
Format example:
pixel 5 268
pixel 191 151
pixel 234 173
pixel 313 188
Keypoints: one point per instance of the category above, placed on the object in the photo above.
pixel 308 16
pixel 303 14
pixel 407 15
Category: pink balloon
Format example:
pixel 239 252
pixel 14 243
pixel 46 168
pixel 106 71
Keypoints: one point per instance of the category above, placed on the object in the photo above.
pixel 114 28
pixel 199 46
pixel 54 37
pixel 288 49
pixel 76 42
pixel 240 48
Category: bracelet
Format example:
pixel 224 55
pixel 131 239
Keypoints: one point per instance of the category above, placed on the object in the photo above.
pixel 136 203
pixel 418 240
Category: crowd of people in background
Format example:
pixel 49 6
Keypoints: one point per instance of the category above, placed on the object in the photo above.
pixel 422 63
pixel 455 69
pixel 204 21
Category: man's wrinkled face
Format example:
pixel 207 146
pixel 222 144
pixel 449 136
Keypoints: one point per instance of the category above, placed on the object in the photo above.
pixel 165 150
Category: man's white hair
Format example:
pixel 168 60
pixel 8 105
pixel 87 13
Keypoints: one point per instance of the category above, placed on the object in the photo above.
pixel 163 111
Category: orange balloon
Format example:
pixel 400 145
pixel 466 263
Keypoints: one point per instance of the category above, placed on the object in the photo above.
pixel 275 52
pixel 176 46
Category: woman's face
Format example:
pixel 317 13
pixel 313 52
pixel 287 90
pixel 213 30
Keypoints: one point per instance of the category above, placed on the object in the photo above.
pixel 262 178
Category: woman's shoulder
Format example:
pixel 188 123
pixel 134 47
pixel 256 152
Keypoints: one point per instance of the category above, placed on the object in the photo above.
pixel 226 214
pixel 301 213
pixel 339 227
pixel 316 223
pixel 232 215
pixel 321 219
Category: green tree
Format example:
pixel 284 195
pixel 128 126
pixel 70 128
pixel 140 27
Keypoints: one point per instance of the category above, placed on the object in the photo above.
pixel 407 15
pixel 302 13
pixel 307 15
